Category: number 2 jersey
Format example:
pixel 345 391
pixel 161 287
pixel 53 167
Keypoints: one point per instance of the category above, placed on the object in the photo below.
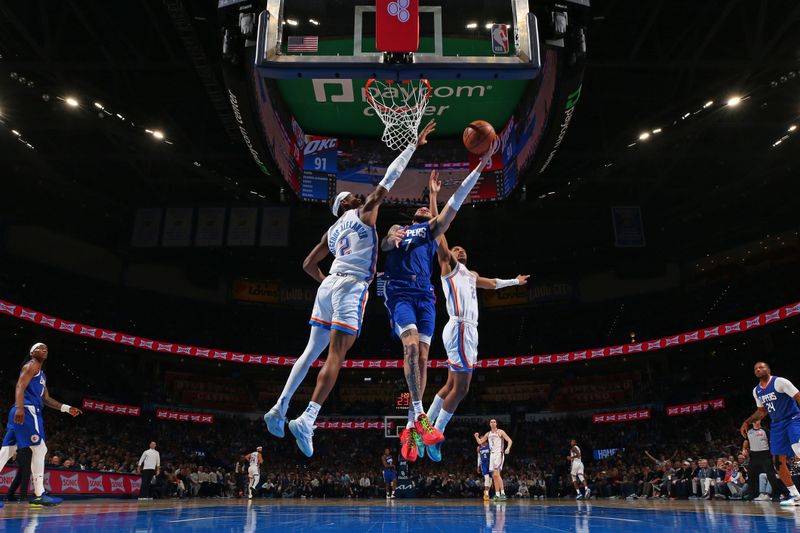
pixel 354 246
pixel 778 399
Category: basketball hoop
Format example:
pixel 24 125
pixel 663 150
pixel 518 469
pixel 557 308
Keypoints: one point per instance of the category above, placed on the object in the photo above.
pixel 400 106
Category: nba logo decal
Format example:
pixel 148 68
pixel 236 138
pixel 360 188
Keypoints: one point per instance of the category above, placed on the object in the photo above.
pixel 499 39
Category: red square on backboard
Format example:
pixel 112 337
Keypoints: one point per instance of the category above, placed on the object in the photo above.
pixel 397 25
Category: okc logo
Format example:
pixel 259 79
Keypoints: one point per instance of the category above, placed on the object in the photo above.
pixel 399 9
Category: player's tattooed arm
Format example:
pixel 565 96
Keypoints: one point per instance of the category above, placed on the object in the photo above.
pixel 760 413
pixel 312 261
pixel 29 370
pixel 49 401
pixel 393 238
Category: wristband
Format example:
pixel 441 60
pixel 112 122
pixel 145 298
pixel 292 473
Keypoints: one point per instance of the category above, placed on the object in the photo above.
pixel 65 408
pixel 461 193
pixel 503 283
pixel 397 167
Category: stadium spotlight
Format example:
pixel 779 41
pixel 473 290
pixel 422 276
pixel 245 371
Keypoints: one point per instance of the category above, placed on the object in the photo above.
pixel 15 132
pixel 98 105
pixel 656 131
pixel 708 104
pixel 158 134
pixel 489 25
pixel 792 127
pixel 70 101
pixel 472 25
pixel 291 22
pixel 314 22
pixel 644 136
pixel 733 101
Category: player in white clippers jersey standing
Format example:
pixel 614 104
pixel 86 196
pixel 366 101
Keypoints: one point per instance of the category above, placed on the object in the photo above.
pixel 497 455
pixel 254 459
pixel 576 471
pixel 341 297
pixel 460 334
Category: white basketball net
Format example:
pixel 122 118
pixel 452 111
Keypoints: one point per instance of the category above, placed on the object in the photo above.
pixel 400 106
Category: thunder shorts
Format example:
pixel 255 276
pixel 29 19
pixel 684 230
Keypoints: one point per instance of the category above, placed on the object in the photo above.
pixel 461 343
pixel 340 304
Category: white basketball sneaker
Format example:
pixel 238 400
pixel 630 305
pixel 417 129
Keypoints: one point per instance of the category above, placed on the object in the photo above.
pixel 303 433
pixel 791 502
pixel 275 422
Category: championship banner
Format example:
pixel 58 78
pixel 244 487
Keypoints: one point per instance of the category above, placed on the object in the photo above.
pixel 694 408
pixel 75 328
pixel 350 424
pixel 628 416
pixel 71 482
pixel 180 416
pixel 110 408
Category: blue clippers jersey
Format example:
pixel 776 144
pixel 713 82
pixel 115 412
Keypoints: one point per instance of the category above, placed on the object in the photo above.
pixel 484 457
pixel 779 406
pixel 389 461
pixel 35 390
pixel 412 260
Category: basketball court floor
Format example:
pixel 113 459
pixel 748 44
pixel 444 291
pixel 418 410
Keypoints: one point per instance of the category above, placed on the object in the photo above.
pixel 446 516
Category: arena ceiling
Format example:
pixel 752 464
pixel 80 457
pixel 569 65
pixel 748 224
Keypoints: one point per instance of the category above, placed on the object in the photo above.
pixel 705 182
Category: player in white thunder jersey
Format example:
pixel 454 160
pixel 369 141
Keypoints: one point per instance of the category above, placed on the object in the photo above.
pixel 254 460
pixel 576 471
pixel 341 297
pixel 460 334
pixel 497 455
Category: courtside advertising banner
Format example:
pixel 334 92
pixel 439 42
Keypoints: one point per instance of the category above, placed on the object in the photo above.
pixel 71 482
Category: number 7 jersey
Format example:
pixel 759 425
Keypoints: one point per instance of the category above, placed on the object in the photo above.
pixel 354 246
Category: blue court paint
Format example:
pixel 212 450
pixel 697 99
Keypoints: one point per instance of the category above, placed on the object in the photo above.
pixel 411 517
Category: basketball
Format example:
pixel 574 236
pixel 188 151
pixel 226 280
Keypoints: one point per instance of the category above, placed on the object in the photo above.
pixel 479 136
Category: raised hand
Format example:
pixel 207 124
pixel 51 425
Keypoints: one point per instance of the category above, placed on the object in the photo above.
pixel 429 128
pixel 434 184
pixel 397 237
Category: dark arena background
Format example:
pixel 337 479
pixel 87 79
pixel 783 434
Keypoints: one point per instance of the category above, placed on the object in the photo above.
pixel 167 167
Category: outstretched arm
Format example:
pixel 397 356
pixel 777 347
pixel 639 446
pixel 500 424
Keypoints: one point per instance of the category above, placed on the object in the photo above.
pixel 369 211
pixel 446 260
pixel 312 261
pixel 64 408
pixel 497 284
pixel 441 223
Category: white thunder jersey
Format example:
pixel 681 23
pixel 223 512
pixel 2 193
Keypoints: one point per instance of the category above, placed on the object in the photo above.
pixel 495 442
pixel 354 246
pixel 461 295
pixel 254 459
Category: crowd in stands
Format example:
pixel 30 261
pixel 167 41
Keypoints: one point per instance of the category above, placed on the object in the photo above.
pixel 698 456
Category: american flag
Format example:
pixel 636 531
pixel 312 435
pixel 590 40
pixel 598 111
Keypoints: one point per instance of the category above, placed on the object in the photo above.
pixel 303 44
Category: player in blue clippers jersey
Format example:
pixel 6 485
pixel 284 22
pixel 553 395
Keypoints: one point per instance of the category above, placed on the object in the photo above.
pixel 778 398
pixel 483 468
pixel 25 427
pixel 410 302
pixel 389 473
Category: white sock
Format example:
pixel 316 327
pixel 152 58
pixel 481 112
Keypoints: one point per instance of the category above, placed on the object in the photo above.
pixel 436 406
pixel 442 420
pixel 503 492
pixel 5 454
pixel 793 492
pixel 418 410
pixel 317 342
pixel 311 412
pixel 411 418
pixel 37 468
